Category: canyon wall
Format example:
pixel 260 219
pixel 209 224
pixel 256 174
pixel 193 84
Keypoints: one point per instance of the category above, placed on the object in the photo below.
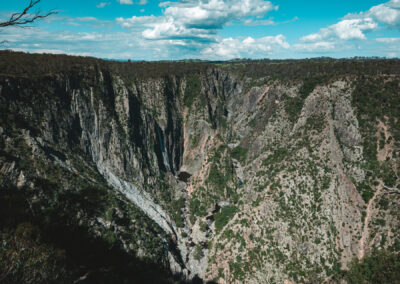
pixel 240 176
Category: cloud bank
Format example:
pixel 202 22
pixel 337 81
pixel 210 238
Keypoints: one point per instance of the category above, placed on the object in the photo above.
pixel 196 29
pixel 195 24
pixel 355 26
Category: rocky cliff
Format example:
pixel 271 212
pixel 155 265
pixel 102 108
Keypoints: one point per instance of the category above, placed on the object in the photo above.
pixel 256 172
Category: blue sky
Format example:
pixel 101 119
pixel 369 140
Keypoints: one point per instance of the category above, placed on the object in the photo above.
pixel 209 29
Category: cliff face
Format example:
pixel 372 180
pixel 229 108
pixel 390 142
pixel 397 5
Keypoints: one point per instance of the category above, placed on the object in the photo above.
pixel 212 171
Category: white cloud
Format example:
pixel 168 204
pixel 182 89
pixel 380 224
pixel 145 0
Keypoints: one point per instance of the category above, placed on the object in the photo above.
pixel 267 22
pixel 215 13
pixel 192 26
pixel 190 29
pixel 229 48
pixel 125 2
pixel 131 45
pixel 388 40
pixel 141 21
pixel 89 43
pixel 198 19
pixel 354 26
pixel 142 2
pixel 251 22
pixel 103 4
pixel 345 30
pixel 389 45
pixel 50 51
pixel 85 19
pixel 91 22
pixel 321 46
pixel 387 13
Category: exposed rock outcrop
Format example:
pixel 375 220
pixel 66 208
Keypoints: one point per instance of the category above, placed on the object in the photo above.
pixel 241 178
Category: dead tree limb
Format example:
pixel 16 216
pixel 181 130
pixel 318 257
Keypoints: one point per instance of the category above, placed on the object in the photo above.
pixel 25 17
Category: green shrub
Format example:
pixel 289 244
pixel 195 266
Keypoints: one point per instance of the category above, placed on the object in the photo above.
pixel 380 266
pixel 277 156
pixel 367 195
pixel 192 90
pixel 196 208
pixel 309 85
pixel 222 218
pixel 218 179
pixel 198 252
pixel 176 213
pixel 195 139
pixel 293 107
pixel 239 153
pixel 366 191
pixel 203 226
pixel 316 123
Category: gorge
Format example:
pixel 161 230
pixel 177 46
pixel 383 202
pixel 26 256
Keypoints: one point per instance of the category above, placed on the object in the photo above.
pixel 269 171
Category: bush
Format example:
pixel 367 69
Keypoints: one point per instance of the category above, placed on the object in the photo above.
pixel 239 153
pixel 222 218
pixel 198 252
pixel 293 107
pixel 380 266
pixel 309 86
pixel 217 178
pixel 192 90
pixel 176 213
pixel 278 156
pixel 316 123
pixel 367 195
pixel 196 208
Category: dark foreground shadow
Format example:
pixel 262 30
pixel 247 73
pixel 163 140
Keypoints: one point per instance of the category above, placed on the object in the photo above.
pixel 51 249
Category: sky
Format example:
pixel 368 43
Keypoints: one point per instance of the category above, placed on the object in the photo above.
pixel 208 29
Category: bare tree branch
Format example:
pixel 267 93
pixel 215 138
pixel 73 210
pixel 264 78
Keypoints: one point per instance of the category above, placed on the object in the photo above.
pixel 24 18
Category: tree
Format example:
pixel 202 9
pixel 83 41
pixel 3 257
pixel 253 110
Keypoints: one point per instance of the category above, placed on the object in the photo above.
pixel 25 17
pixel 380 266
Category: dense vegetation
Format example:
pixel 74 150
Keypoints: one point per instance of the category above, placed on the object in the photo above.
pixel 58 237
pixel 22 64
pixel 381 266
pixel 52 241
pixel 222 218
pixel 192 90
pixel 52 246
pixel 321 67
pixel 377 100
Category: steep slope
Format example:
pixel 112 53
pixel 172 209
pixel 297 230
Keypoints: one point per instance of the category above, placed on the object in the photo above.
pixel 309 195
pixel 82 133
pixel 256 172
